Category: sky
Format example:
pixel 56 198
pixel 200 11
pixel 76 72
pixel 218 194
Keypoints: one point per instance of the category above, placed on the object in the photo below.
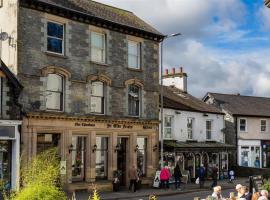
pixel 224 47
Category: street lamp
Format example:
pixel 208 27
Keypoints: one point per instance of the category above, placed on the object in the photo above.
pixel 161 95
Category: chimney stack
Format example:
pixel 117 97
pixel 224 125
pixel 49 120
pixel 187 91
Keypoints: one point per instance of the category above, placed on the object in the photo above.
pixel 166 72
pixel 173 71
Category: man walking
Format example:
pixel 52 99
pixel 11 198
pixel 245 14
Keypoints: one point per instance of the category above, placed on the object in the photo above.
pixel 214 176
pixel 133 175
pixel 201 176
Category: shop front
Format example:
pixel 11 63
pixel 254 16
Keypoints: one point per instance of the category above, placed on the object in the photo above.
pixel 249 153
pixel 191 156
pixel 9 154
pixel 265 153
pixel 94 150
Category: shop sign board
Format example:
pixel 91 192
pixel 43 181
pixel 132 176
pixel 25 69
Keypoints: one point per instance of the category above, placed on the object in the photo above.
pixel 156 180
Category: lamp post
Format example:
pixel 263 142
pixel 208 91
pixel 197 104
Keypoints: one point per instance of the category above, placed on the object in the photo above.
pixel 161 95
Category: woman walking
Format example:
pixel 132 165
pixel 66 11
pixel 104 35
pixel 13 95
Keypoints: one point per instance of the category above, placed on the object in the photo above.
pixel 164 177
pixel 177 177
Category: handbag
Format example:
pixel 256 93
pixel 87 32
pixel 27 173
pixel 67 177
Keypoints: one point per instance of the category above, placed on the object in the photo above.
pixel 197 181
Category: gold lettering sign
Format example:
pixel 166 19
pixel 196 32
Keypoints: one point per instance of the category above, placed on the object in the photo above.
pixel 85 124
pixel 120 126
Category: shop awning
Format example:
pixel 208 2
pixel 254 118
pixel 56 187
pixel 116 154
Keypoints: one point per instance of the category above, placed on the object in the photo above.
pixel 195 146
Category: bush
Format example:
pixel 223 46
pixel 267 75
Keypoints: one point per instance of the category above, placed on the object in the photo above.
pixel 266 185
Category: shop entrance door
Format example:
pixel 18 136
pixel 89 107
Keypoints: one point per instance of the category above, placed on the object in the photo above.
pixel 122 160
pixel 5 163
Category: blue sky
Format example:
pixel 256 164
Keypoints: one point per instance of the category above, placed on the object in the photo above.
pixel 225 45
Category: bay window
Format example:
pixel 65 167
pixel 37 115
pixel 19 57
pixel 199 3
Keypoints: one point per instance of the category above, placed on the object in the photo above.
pixel 55 37
pixel 97 97
pixel 102 158
pixel 134 54
pixel 55 92
pixel 133 100
pixel 98 47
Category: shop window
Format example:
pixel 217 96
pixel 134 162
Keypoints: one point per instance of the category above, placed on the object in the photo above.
pixel 208 129
pixel 78 158
pixel 141 156
pixel 98 47
pixel 97 97
pixel 5 162
pixel 133 100
pixel 102 158
pixel 250 156
pixel 263 125
pixel 190 124
pixel 55 37
pixel 47 141
pixel 243 125
pixel 55 92
pixel 168 122
pixel 134 54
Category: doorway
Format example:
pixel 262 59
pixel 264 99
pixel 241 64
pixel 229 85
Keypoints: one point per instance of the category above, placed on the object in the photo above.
pixel 5 163
pixel 122 160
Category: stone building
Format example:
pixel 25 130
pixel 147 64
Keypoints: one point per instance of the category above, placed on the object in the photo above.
pixel 91 87
pixel 10 122
pixel 193 130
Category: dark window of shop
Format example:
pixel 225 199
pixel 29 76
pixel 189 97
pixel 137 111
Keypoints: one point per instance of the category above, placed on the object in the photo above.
pixel 141 156
pixel 97 97
pixel 47 141
pixel 55 92
pixel 5 163
pixel 133 100
pixel 78 158
pixel 102 158
pixel 55 37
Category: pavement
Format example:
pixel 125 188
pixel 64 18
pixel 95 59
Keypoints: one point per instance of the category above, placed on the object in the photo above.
pixel 188 188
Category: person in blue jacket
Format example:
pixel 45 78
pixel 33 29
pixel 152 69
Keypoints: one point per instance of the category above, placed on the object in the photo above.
pixel 201 175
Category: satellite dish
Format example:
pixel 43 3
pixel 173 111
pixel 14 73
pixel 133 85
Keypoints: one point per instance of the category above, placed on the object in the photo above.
pixel 3 36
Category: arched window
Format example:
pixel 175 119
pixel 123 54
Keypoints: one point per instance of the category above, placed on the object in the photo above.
pixel 134 100
pixel 55 92
pixel 97 97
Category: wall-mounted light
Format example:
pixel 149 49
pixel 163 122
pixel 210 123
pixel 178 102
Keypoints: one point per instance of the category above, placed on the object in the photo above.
pixel 155 147
pixel 136 148
pixel 117 148
pixel 94 148
pixel 70 148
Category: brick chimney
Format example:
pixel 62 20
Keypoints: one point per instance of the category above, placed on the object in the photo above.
pixel 177 78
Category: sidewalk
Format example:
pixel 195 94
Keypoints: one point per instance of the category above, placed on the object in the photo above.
pixel 189 188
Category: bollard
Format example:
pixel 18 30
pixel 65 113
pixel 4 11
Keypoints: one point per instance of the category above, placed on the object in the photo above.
pixel 196 198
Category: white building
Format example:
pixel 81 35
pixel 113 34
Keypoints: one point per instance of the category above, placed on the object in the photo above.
pixel 193 130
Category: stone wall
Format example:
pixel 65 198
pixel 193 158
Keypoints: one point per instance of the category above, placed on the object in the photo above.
pixel 33 58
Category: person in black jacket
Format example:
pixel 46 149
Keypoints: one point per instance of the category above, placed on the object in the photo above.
pixel 177 176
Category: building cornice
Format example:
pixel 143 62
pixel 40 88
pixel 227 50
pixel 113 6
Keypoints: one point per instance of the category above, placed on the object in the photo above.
pixel 88 19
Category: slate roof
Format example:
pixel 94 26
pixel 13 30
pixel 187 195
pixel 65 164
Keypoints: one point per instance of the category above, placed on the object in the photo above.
pixel 243 105
pixel 102 11
pixel 11 77
pixel 197 145
pixel 177 99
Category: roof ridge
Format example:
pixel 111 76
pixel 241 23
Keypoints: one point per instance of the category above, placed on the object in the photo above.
pixel 114 7
pixel 238 95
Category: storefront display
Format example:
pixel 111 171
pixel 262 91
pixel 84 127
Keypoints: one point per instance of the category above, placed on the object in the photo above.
pixel 250 156
pixel 5 163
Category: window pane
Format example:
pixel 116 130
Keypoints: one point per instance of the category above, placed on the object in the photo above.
pixel 97 89
pixel 97 104
pixel 132 61
pixel 141 156
pixel 53 100
pixel 133 48
pixel 55 45
pixel 55 30
pixel 97 40
pixel 55 82
pixel 141 143
pixel 101 157
pixel 97 55
pixel 133 100
pixel 78 156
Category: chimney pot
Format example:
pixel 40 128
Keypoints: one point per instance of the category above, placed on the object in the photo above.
pixel 173 70
pixel 181 69
pixel 166 71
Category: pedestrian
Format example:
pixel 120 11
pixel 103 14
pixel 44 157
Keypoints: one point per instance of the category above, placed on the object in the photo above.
pixel 177 177
pixel 165 177
pixel 242 192
pixel 257 162
pixel 214 176
pixel 246 194
pixel 217 193
pixel 238 188
pixel 264 195
pixel 133 175
pixel 201 176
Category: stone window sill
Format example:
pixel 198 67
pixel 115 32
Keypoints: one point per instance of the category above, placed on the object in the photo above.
pixel 55 55
pixel 136 70
pixel 99 63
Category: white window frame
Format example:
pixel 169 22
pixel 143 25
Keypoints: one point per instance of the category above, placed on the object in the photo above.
pixel 168 127
pixel 62 101
pixel 138 56
pixel 192 128
pixel 104 99
pixel 103 49
pixel 262 125
pixel 63 40
pixel 207 130
pixel 239 126
pixel 140 99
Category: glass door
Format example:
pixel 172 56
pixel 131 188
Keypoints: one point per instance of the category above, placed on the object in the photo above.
pixel 5 163
pixel 78 158
pixel 122 160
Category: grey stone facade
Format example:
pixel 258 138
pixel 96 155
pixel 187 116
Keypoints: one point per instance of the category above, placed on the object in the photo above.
pixel 32 58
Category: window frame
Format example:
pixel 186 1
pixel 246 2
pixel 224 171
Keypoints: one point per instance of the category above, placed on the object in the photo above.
pixel 138 56
pixel 263 125
pixel 243 131
pixel 207 131
pixel 168 127
pixel 139 99
pixel 104 49
pixel 192 127
pixel 62 94
pixel 103 98
pixel 63 39
pixel 107 158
